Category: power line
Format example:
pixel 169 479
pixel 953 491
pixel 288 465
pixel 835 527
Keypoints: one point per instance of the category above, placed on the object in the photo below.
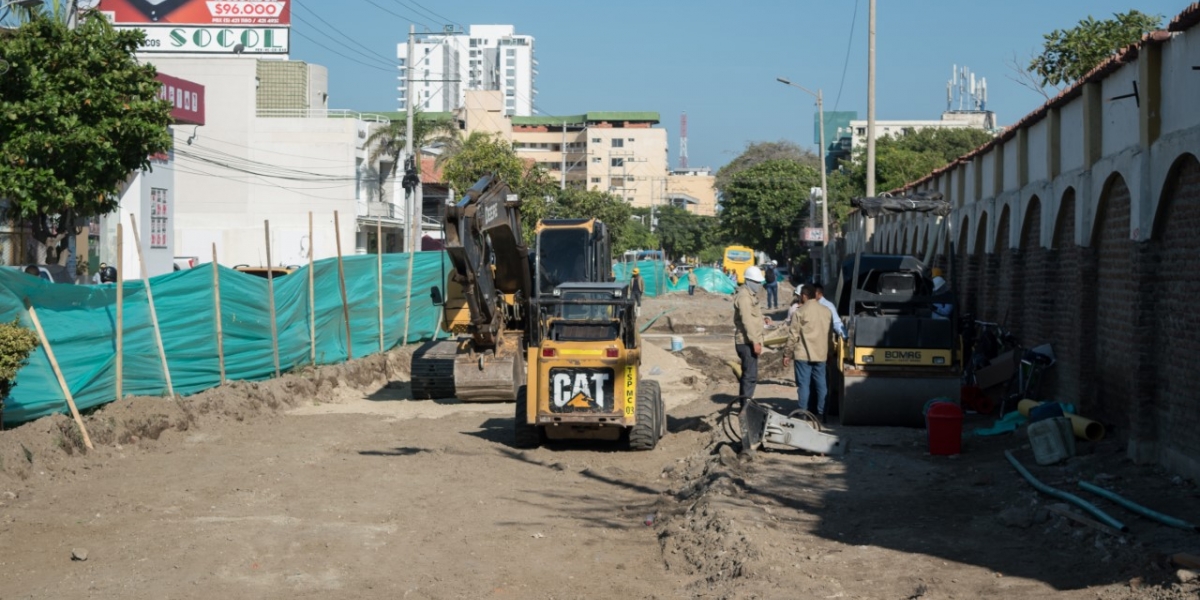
pixel 350 58
pixel 400 16
pixel 846 63
pixel 369 54
pixel 426 11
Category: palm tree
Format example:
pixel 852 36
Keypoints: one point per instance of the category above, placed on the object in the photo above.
pixel 388 143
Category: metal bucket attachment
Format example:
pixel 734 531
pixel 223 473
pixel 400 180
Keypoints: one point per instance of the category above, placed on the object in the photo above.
pixel 761 424
pixel 487 376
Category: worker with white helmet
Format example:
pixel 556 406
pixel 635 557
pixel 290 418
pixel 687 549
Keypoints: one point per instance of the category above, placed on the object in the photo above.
pixel 748 329
pixel 944 309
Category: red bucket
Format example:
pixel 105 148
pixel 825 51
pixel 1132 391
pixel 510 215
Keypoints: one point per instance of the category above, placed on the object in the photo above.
pixel 944 422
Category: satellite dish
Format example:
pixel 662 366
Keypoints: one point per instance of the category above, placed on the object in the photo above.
pixel 238 48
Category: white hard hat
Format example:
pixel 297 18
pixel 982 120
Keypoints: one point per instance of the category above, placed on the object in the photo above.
pixel 773 263
pixel 938 283
pixel 754 274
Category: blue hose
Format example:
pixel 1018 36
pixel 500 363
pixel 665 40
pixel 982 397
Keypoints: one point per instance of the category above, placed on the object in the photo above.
pixel 1138 508
pixel 1061 495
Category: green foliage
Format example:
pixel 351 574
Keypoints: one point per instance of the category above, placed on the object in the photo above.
pixel 762 205
pixel 428 130
pixel 16 344
pixel 899 160
pixel 625 233
pixel 684 233
pixel 484 154
pixel 1069 54
pixel 77 114
pixel 760 152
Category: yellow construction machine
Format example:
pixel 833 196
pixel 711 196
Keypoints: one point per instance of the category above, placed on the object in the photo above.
pixel 900 353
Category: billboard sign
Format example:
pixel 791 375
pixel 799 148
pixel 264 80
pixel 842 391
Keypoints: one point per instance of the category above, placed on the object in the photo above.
pixel 214 40
pixel 244 13
pixel 814 234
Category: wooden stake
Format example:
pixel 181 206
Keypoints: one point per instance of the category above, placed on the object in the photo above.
pixel 271 297
pixel 408 285
pixel 87 440
pixel 217 305
pixel 312 309
pixel 120 283
pixel 379 275
pixel 337 231
pixel 162 353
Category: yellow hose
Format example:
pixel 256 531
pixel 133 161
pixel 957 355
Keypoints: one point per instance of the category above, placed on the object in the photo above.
pixel 1085 429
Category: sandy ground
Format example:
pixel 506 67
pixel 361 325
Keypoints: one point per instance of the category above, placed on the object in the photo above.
pixel 333 483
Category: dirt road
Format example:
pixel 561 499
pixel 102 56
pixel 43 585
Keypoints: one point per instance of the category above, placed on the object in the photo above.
pixel 334 484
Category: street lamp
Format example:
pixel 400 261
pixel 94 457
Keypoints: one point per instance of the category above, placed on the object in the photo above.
pixel 824 186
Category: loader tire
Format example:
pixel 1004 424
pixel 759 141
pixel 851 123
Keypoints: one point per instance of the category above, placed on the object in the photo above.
pixel 647 428
pixel 524 434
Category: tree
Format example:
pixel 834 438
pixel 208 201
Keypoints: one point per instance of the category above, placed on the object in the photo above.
pixel 483 154
pixel 390 141
pixel 682 233
pixel 78 115
pixel 899 160
pixel 1069 54
pixel 760 152
pixel 625 233
pixel 763 204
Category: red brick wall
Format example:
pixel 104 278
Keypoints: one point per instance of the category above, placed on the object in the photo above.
pixel 1032 288
pixel 1115 351
pixel 1175 322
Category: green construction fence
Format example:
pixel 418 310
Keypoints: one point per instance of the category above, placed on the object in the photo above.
pixel 654 273
pixel 80 324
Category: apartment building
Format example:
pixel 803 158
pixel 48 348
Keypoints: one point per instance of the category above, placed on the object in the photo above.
pixel 486 58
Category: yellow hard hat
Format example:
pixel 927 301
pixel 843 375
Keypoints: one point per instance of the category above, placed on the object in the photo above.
pixel 636 271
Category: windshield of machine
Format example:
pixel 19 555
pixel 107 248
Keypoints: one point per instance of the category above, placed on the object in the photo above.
pixel 562 257
pixel 586 312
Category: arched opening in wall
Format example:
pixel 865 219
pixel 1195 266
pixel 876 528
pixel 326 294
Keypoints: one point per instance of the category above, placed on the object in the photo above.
pixel 963 236
pixel 1034 303
pixel 981 234
pixel 1002 231
pixel 1115 300
pixel 1064 221
pixel 1031 225
pixel 1177 179
pixel 1176 285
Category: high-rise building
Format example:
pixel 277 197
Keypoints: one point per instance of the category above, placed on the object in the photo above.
pixel 487 57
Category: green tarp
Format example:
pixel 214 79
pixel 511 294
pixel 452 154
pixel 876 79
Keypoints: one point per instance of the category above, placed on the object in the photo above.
pixel 80 323
pixel 654 274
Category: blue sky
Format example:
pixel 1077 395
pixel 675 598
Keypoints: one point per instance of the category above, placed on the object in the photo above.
pixel 716 60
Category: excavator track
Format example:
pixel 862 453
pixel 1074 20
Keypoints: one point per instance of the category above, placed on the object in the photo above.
pixel 433 370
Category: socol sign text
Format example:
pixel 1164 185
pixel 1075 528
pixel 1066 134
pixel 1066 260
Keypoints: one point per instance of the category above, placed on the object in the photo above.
pixel 216 40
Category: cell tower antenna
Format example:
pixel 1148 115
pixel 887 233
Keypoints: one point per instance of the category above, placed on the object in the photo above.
pixel 683 141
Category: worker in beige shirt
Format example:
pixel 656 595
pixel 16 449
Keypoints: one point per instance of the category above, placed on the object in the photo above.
pixel 808 347
pixel 748 329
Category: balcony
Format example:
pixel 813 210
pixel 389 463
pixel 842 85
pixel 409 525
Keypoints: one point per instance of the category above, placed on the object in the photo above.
pixel 384 210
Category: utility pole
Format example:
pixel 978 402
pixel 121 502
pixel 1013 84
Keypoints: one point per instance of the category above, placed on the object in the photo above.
pixel 411 210
pixel 869 230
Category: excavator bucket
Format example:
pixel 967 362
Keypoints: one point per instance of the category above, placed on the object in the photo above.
pixel 488 376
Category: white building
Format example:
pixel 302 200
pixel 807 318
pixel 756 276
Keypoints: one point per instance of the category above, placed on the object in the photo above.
pixel 956 119
pixel 488 57
pixel 270 149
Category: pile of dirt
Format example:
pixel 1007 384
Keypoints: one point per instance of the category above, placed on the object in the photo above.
pixel 53 445
pixel 714 368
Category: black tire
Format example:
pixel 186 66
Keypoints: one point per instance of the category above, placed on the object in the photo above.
pixel 646 430
pixel 524 434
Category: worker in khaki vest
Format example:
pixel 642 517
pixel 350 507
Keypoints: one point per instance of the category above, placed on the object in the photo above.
pixel 808 347
pixel 748 326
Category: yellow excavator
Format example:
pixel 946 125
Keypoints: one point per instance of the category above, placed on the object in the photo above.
pixel 549 329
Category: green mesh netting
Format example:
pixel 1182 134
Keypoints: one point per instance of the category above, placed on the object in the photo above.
pixel 80 323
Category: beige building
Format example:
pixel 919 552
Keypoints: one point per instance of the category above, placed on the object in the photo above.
pixel 622 153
